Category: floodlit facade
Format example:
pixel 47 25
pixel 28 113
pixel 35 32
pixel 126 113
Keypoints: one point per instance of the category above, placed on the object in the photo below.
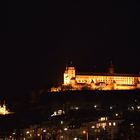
pixel 100 81
pixel 3 110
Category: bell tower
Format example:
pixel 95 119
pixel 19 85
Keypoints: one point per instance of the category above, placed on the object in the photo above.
pixel 69 74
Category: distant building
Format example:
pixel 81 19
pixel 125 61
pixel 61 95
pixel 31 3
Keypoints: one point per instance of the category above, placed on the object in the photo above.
pixel 3 110
pixel 100 81
pixel 103 128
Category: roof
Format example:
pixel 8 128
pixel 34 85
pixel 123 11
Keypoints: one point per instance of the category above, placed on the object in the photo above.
pixel 108 74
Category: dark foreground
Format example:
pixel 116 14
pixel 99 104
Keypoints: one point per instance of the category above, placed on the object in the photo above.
pixel 73 115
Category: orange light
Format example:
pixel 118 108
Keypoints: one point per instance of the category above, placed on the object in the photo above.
pixel 84 132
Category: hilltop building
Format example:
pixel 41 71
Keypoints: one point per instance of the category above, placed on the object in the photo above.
pixel 99 81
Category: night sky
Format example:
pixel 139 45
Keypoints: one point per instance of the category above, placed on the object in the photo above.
pixel 43 37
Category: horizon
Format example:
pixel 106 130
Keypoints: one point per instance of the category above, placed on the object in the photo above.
pixel 42 39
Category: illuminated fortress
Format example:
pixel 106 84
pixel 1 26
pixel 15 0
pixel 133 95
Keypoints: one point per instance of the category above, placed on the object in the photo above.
pixel 99 81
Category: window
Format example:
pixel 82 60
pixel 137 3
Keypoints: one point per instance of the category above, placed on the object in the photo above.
pixel 114 124
pixel 110 124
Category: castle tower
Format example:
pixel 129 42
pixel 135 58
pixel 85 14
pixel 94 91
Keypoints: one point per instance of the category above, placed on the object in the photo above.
pixel 69 74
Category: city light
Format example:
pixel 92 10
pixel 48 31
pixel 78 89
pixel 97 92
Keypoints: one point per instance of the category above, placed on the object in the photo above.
pixel 110 123
pixel 84 132
pixel 95 106
pixel 103 119
pixel 131 124
pixel 28 132
pixel 38 135
pixel 111 107
pixel 138 107
pixel 44 131
pixel 57 113
pixel 65 129
pixel 93 127
pixel 114 124
pixel 61 122
pixel 3 110
pixel 116 114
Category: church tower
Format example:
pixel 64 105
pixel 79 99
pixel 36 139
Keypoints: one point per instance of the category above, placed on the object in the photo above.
pixel 69 74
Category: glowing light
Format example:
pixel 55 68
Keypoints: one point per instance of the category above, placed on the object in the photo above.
pixel 84 132
pixel 3 110
pixel 114 124
pixel 95 106
pixel 131 124
pixel 76 108
pixel 28 132
pixel 93 127
pixel 110 124
pixel 116 114
pixel 65 129
pixel 38 135
pixel 57 113
pixel 132 107
pixel 103 119
pixel 44 131
pixel 111 107
pixel 138 107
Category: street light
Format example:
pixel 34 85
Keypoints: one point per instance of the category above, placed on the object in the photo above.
pixel 85 132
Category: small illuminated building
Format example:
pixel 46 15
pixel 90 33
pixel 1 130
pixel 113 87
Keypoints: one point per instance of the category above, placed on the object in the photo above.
pixel 3 110
pixel 100 81
pixel 104 124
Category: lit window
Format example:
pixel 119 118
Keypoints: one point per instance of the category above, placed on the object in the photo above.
pixel 84 132
pixel 76 108
pixel 93 127
pixel 111 107
pixel 38 135
pixel 103 125
pixel 138 107
pixel 116 114
pixel 103 119
pixel 95 106
pixel 65 129
pixel 14 133
pixel 27 132
pixel 44 130
pixel 131 124
pixel 114 124
pixel 132 107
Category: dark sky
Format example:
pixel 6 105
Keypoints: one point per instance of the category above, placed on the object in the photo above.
pixel 43 37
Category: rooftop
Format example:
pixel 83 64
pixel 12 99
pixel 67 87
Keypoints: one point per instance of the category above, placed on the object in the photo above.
pixel 108 74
